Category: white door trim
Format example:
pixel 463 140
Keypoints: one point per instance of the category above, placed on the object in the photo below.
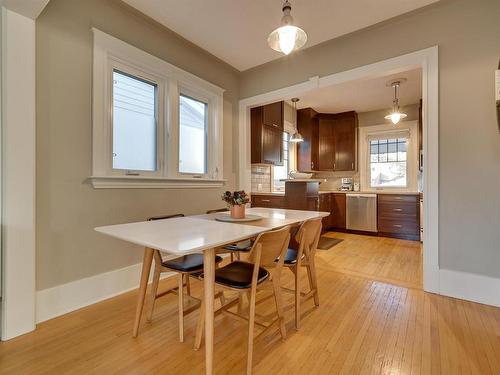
pixel 427 59
pixel 18 174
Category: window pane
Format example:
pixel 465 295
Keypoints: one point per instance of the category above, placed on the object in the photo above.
pixel 388 163
pixel 388 174
pixel 192 135
pixel 134 123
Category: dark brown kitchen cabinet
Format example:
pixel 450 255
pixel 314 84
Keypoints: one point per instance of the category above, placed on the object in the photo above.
pixel 268 200
pixel 398 216
pixel 272 115
pixel 338 211
pixel 344 134
pixel 267 140
pixel 324 206
pixel 329 141
pixel 326 143
pixel 307 151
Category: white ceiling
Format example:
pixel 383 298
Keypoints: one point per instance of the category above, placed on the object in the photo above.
pixel 364 95
pixel 236 30
pixel 28 8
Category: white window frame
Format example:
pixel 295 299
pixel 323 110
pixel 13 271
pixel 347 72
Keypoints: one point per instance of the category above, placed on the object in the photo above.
pixel 410 128
pixel 111 53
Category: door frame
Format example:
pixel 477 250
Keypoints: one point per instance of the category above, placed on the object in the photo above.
pixel 427 59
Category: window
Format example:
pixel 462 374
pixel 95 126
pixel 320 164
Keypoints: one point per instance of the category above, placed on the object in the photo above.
pixel 281 172
pixel 192 135
pixel 388 163
pixel 134 123
pixel 153 124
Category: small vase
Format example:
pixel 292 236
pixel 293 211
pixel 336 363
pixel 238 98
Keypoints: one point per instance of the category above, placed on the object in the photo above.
pixel 238 211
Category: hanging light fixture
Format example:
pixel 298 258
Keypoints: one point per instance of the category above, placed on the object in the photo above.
pixel 296 137
pixel 396 115
pixel 287 37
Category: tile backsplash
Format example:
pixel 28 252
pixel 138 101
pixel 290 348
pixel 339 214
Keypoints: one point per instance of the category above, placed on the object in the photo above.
pixel 334 179
pixel 261 178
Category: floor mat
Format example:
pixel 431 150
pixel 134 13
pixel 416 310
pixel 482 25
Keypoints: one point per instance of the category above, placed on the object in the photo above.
pixel 326 243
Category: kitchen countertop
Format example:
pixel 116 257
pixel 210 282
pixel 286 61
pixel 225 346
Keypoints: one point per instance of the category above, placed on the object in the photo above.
pixel 282 193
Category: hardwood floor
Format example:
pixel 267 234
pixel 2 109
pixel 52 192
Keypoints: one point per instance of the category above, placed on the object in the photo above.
pixel 362 326
pixel 379 258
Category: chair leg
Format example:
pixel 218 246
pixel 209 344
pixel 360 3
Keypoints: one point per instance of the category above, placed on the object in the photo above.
pixel 232 256
pixel 188 285
pixel 251 323
pixel 314 278
pixel 154 292
pixel 199 327
pixel 180 278
pixel 297 297
pixel 279 307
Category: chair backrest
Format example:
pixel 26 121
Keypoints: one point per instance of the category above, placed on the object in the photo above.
pixel 217 210
pixel 308 236
pixel 271 245
pixel 165 217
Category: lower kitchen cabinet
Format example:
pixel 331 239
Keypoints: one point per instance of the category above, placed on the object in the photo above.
pixel 268 201
pixel 338 210
pixel 398 216
pixel 325 206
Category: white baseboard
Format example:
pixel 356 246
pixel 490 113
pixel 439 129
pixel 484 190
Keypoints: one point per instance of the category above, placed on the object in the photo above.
pixel 65 298
pixel 470 287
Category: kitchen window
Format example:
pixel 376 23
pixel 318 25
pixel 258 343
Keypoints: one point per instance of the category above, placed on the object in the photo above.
pixel 388 163
pixel 154 125
pixel 281 172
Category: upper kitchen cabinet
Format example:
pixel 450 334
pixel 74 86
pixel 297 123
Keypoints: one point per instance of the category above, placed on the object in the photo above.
pixel 307 151
pixel 344 135
pixel 326 144
pixel 329 141
pixel 267 134
pixel 272 115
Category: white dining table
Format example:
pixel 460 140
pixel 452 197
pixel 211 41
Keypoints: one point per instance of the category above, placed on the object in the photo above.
pixel 198 234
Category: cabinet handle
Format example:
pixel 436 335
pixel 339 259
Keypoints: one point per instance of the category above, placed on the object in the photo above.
pixel 352 167
pixel 397 209
pixel 334 166
pixel 265 200
pixel 398 198
pixel 312 165
pixel 398 225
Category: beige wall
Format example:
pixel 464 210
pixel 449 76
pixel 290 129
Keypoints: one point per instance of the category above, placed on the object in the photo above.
pixel 468 35
pixel 68 208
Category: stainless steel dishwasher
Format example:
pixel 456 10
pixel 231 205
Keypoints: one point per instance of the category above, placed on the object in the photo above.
pixel 361 212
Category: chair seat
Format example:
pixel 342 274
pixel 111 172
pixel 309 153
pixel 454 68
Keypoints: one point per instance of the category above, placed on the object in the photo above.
pixel 188 263
pixel 290 257
pixel 243 246
pixel 238 275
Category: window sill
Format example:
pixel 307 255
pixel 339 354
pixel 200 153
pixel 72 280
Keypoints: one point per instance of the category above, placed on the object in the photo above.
pixel 142 182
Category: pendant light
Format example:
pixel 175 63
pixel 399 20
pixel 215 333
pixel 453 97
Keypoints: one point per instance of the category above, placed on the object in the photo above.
pixel 396 115
pixel 296 137
pixel 287 37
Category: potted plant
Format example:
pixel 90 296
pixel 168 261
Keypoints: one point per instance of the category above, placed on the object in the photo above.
pixel 236 202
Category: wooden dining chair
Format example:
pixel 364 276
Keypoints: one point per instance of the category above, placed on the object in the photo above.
pixel 233 249
pixel 307 237
pixel 185 266
pixel 245 277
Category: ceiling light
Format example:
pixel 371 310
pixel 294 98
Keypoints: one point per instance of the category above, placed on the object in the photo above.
pixel 396 115
pixel 287 37
pixel 296 137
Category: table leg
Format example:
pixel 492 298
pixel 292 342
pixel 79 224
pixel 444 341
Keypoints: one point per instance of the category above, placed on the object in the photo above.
pixel 146 267
pixel 209 287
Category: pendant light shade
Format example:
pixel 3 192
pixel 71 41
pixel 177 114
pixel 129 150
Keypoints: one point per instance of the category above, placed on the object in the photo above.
pixel 296 137
pixel 396 115
pixel 287 37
